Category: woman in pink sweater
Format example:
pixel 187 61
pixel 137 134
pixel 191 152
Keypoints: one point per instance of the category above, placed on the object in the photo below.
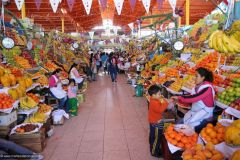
pixel 202 100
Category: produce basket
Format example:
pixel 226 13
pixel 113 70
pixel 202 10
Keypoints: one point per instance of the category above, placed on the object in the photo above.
pixel 38 126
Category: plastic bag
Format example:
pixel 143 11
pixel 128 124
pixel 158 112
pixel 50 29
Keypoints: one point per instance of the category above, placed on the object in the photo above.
pixel 58 114
pixel 186 129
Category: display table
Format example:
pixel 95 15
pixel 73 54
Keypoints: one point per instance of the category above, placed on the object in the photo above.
pixel 167 155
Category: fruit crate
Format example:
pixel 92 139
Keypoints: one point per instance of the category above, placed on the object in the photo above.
pixel 8 118
pixel 5 130
pixel 35 141
pixel 47 126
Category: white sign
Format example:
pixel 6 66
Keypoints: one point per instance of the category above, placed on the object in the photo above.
pixel 112 40
pixel 131 26
pixel 54 5
pixel 146 4
pixel 118 5
pixel 115 30
pixel 87 5
pixel 19 4
pixel 173 5
pixel 91 34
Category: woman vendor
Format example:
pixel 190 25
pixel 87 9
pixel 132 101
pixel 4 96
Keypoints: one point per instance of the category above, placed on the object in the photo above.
pixel 73 74
pixel 202 100
pixel 56 89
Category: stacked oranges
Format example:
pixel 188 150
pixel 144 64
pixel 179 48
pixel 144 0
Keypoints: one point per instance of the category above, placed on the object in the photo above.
pixel 179 139
pixel 5 101
pixel 213 134
pixel 200 152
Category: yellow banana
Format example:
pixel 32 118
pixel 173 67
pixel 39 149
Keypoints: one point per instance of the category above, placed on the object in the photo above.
pixel 219 42
pixel 235 44
pixel 214 40
pixel 227 43
pixel 210 41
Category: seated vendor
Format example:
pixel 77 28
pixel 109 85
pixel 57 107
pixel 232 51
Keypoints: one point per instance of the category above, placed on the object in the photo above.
pixel 202 100
pixel 56 89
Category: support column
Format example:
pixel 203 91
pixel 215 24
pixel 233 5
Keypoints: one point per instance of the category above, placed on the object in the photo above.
pixel 237 9
pixel 187 11
pixel 23 10
pixel 62 25
pixel 179 21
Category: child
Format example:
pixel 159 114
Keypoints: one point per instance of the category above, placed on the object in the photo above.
pixel 156 107
pixel 72 97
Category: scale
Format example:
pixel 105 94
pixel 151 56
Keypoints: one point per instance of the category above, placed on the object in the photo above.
pixel 178 45
pixel 8 43
pixel 75 45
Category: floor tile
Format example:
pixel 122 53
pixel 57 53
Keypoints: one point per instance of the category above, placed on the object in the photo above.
pixel 91 146
pixel 90 156
pixel 116 155
pixel 92 136
pixel 115 144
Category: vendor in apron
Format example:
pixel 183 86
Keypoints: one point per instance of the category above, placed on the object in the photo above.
pixel 56 89
pixel 202 100
pixel 73 74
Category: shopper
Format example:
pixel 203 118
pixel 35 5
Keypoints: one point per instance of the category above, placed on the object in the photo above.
pixel 104 58
pixel 94 69
pixel 72 98
pixel 156 108
pixel 113 68
pixel 73 74
pixel 202 100
pixel 8 148
pixel 56 89
pixel 98 62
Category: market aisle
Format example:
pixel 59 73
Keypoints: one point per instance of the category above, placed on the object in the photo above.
pixel 111 125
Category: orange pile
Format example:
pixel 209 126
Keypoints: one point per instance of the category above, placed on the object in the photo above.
pixel 34 97
pixel 199 152
pixel 5 101
pixel 50 66
pixel 213 134
pixel 217 79
pixel 179 139
pixel 172 72
pixel 210 61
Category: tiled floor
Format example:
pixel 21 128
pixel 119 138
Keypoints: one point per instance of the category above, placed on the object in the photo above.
pixel 111 125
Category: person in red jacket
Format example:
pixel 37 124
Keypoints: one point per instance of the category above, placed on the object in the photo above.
pixel 157 106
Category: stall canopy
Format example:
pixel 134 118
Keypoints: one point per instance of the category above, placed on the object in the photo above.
pixel 77 19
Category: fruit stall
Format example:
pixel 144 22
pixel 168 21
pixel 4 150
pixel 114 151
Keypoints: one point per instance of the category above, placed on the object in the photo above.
pixel 208 46
pixel 26 108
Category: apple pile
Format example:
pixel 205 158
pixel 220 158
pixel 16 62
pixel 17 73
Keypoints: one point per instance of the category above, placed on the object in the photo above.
pixel 235 82
pixel 229 95
pixel 236 104
pixel 27 56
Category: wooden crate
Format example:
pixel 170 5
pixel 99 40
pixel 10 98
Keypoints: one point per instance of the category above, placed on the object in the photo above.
pixel 47 126
pixel 167 155
pixel 5 130
pixel 35 142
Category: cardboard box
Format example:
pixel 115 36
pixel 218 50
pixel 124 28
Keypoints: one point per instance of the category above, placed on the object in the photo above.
pixel 35 141
pixel 8 118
